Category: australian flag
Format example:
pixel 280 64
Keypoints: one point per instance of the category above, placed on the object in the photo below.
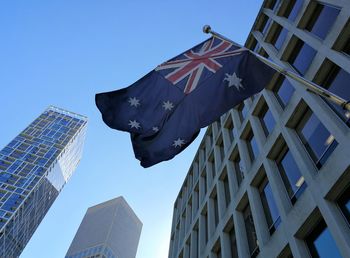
pixel 165 110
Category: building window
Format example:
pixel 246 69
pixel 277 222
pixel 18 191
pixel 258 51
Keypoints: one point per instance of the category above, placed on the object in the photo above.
pixel 284 91
pixel 218 124
pixel 269 205
pixel 344 204
pixel 321 243
pixel 252 146
pixel 196 242
pixel 229 129
pixel 187 247
pixel 316 138
pixel 250 231
pixel 211 171
pixel 238 168
pixel 346 48
pixel 210 141
pixel 272 4
pixel 220 148
pixel 263 53
pixel 234 250
pixel 336 82
pixel 280 37
pixel 242 111
pixel 204 185
pixel 293 9
pixel 214 199
pixel 202 150
pixel 285 253
pixel 257 47
pixel 205 225
pixel 183 225
pixel 189 181
pixel 226 186
pixel 290 174
pixel 217 250
pixel 322 19
pixel 195 200
pixel 265 22
pixel 302 56
pixel 266 119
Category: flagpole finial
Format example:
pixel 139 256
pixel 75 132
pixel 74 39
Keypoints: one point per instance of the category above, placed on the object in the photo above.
pixel 206 29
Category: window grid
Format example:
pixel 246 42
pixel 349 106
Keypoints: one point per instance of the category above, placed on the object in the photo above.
pixel 237 131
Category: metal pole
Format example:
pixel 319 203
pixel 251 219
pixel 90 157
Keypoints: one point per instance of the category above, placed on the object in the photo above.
pixel 310 86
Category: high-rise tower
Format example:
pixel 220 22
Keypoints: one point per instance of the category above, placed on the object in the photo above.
pixel 33 169
pixel 271 177
pixel 109 230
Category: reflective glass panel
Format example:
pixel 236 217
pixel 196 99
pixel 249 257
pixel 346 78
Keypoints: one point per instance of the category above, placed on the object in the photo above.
pixel 291 176
pixel 324 18
pixel 281 38
pixel 302 60
pixel 296 6
pixel 316 138
pixel 269 205
pixel 321 243
pixel 337 82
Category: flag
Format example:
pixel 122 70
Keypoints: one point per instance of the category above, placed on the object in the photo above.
pixel 165 110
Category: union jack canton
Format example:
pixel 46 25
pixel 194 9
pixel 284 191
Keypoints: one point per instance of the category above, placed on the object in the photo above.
pixel 194 66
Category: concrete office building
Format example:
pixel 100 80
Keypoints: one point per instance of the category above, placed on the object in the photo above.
pixel 272 177
pixel 34 167
pixel 109 230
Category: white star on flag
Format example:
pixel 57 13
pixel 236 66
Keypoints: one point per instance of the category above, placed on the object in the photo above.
pixel 134 124
pixel 155 128
pixel 167 105
pixel 178 143
pixel 234 80
pixel 134 102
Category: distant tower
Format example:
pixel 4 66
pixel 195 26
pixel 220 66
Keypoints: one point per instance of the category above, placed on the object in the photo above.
pixel 34 167
pixel 108 230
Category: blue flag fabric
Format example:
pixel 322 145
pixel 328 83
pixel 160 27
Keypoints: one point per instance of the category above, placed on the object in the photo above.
pixel 165 110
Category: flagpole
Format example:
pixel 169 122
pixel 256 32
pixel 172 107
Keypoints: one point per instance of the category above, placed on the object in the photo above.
pixel 310 86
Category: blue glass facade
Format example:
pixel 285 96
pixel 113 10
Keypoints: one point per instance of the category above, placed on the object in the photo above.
pixel 33 169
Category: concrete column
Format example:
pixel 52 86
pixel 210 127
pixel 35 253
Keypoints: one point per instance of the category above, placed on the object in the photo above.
pixel 262 231
pixel 232 179
pixel 242 241
pixel 221 198
pixel 194 244
pixel 195 203
pixel 202 242
pixel 226 245
pixel 280 194
pixel 298 248
pixel 187 251
pixel 211 217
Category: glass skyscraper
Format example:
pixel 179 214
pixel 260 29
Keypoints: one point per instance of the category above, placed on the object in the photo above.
pixel 34 167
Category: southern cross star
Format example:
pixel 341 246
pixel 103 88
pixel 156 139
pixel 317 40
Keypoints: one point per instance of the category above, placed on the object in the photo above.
pixel 134 102
pixel 167 105
pixel 155 128
pixel 134 124
pixel 178 143
pixel 234 80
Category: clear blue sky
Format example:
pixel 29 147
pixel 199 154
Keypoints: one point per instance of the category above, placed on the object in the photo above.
pixel 63 52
